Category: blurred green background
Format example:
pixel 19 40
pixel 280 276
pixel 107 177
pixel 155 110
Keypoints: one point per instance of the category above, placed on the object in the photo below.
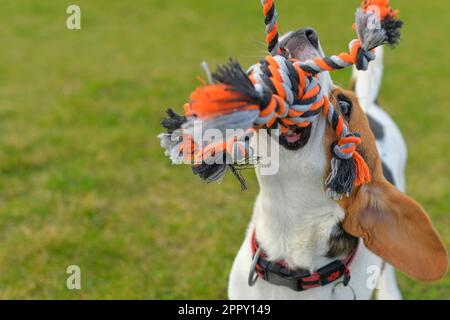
pixel 82 177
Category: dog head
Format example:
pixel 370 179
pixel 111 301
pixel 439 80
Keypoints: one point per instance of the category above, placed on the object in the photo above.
pixel 392 225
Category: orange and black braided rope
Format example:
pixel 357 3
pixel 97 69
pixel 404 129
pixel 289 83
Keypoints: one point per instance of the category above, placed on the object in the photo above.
pixel 270 14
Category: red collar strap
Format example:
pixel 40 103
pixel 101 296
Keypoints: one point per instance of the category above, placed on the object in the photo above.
pixel 278 273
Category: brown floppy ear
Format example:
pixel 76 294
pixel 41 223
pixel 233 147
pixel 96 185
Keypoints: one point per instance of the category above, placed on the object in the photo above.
pixel 396 228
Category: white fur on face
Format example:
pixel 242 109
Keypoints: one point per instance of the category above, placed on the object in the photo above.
pixel 293 215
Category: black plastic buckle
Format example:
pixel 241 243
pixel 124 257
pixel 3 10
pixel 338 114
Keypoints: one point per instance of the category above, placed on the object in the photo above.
pixel 289 282
pixel 331 272
pixel 276 274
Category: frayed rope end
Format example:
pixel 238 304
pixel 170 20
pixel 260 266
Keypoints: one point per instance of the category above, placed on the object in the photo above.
pixel 345 175
pixel 362 170
pixel 373 35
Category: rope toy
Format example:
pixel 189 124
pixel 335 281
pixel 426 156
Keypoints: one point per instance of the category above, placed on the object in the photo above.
pixel 279 92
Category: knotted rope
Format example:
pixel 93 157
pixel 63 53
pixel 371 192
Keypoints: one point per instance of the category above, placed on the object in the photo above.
pixel 279 93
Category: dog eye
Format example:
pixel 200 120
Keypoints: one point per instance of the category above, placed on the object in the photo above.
pixel 346 106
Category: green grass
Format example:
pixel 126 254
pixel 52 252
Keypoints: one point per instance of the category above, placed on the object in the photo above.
pixel 83 180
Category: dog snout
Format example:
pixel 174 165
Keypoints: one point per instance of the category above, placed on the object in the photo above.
pixel 302 44
pixel 312 36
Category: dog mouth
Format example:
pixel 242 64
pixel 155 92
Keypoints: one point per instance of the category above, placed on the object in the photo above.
pixel 296 138
pixel 301 45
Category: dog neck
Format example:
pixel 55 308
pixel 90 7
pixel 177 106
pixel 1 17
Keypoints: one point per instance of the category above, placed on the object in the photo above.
pixel 294 218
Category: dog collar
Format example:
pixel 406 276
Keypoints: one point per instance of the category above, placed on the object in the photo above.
pixel 277 272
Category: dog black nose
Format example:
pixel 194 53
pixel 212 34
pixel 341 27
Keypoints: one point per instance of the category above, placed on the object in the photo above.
pixel 312 36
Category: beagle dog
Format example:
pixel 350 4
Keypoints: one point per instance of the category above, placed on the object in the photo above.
pixel 300 244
